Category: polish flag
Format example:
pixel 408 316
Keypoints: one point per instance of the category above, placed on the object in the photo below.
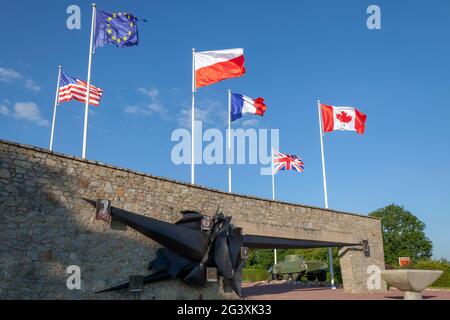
pixel 218 65
pixel 241 104
pixel 342 118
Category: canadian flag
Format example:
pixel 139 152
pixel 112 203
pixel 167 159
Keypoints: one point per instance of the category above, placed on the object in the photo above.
pixel 342 118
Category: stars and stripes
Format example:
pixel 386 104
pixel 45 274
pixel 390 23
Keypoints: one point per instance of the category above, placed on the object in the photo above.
pixel 282 161
pixel 72 88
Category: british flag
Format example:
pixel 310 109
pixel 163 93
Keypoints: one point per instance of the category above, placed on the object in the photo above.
pixel 282 161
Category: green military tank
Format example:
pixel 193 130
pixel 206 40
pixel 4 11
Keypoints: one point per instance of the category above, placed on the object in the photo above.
pixel 294 267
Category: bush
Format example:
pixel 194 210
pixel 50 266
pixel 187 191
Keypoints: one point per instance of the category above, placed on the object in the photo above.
pixel 253 275
pixel 444 279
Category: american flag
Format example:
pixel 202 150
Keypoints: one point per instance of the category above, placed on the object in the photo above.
pixel 283 161
pixel 72 88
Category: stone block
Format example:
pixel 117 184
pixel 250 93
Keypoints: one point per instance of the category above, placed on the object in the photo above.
pixel 5 174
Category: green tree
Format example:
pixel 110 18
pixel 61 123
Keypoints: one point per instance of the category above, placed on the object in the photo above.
pixel 262 259
pixel 403 234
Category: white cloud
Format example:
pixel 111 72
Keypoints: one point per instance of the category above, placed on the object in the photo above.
pixel 175 91
pixel 184 117
pixel 151 92
pixel 210 112
pixel 31 85
pixel 29 111
pixel 4 111
pixel 132 109
pixel 250 122
pixel 11 76
pixel 155 106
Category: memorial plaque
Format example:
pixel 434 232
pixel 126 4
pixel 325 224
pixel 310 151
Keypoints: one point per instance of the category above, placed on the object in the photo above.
pixel 366 248
pixel 206 223
pixel 103 210
pixel 211 274
pixel 244 253
pixel 136 284
pixel 404 262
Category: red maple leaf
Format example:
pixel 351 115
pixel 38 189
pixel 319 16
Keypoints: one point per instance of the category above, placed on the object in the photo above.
pixel 344 117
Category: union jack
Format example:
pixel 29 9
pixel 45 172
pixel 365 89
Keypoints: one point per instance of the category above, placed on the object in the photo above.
pixel 72 88
pixel 283 161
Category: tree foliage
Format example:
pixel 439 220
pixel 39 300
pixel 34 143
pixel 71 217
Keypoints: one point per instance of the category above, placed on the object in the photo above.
pixel 403 234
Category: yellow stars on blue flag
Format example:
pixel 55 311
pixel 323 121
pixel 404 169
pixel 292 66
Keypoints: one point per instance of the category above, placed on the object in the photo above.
pixel 117 28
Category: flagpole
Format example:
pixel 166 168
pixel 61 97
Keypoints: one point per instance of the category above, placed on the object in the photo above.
pixel 54 109
pixel 229 140
pixel 273 179
pixel 193 119
pixel 323 157
pixel 273 198
pixel 325 192
pixel 88 89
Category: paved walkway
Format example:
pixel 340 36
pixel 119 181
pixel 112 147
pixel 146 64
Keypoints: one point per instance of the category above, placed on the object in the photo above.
pixel 290 291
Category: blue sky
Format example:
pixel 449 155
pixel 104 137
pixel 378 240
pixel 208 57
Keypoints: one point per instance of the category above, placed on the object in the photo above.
pixel 296 52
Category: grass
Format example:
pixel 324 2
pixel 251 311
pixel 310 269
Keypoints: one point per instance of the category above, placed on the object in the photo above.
pixel 444 279
pixel 253 275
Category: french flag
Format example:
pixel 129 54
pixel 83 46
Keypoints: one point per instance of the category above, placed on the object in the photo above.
pixel 241 104
pixel 218 65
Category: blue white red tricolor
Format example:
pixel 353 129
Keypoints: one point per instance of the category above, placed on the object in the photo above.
pixel 72 88
pixel 284 161
pixel 241 104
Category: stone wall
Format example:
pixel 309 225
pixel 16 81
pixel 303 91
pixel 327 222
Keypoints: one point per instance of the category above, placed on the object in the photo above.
pixel 45 227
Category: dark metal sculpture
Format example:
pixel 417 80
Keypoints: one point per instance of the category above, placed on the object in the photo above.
pixel 188 248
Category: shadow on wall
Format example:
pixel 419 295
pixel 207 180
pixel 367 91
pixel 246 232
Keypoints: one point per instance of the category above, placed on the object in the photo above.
pixel 45 227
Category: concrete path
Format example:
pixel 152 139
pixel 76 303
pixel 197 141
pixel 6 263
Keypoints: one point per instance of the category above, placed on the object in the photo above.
pixel 290 291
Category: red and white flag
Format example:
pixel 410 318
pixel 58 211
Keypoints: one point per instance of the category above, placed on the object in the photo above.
pixel 218 65
pixel 73 88
pixel 342 118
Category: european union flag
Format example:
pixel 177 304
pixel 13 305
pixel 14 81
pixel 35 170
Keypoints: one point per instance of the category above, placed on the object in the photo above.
pixel 117 28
